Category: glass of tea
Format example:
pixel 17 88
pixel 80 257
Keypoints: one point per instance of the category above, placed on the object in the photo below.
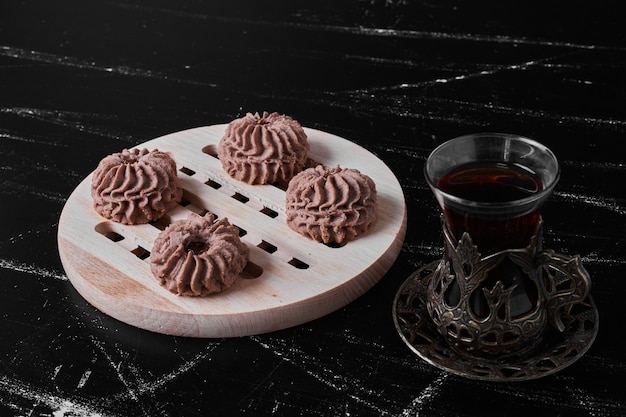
pixel 497 290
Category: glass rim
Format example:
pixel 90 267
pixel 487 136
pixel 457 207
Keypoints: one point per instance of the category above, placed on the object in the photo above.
pixel 542 194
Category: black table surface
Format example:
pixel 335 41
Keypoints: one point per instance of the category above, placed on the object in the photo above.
pixel 82 79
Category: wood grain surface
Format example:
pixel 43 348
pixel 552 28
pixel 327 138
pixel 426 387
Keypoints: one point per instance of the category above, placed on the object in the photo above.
pixel 290 279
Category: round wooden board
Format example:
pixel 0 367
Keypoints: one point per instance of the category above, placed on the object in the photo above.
pixel 290 279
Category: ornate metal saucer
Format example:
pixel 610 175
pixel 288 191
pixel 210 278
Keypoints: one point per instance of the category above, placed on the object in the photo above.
pixel 555 352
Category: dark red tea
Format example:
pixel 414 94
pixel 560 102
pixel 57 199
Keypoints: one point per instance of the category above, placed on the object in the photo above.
pixel 494 183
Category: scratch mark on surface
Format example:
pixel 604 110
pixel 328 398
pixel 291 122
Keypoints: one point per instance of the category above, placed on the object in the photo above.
pixel 459 77
pixel 538 114
pixel 6 135
pixel 61 118
pixel 69 61
pixel 427 395
pixel 57 369
pixel 585 401
pixel 538 395
pixel 84 378
pixel 130 382
pixel 603 166
pixel 141 386
pixel 400 107
pixel 371 31
pixel 117 368
pixel 59 406
pixel 326 376
pixel 62 172
pixel 593 258
pixel 600 202
pixel 29 234
pixel 30 269
pixel 19 190
pixel 429 250
pixel 187 366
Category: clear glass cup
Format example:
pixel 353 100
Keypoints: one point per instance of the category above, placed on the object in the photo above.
pixel 496 290
pixel 493 221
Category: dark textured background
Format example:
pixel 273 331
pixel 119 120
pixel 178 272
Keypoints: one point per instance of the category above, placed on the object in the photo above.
pixel 82 79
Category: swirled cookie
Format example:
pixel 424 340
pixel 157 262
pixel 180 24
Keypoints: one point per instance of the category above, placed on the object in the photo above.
pixel 263 149
pixel 198 256
pixel 135 186
pixel 331 205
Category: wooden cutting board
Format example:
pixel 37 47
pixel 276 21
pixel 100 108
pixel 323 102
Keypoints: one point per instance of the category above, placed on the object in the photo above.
pixel 289 280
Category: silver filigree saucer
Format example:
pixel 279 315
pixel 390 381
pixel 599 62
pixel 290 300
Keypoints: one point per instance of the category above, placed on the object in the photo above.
pixel 555 352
